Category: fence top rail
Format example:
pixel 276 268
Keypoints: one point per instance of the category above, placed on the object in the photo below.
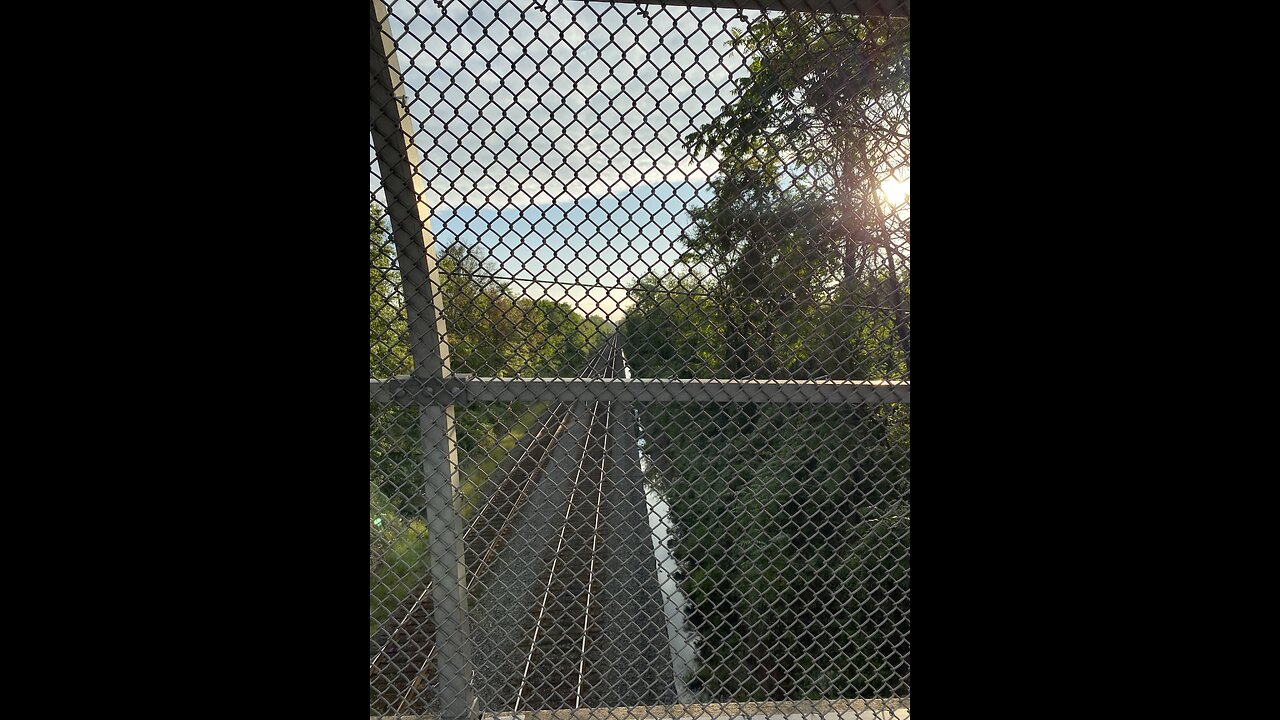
pixel 464 389
pixel 874 8
pixel 881 708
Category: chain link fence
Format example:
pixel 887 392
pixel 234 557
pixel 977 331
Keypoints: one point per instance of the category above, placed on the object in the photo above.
pixel 639 359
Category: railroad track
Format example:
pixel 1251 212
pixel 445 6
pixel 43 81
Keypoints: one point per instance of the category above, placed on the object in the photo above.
pixel 560 571
pixel 564 635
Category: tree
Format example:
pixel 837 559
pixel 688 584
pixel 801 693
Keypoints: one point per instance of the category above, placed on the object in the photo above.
pixel 492 331
pixel 794 521
pixel 769 246
pixel 388 327
pixel 826 103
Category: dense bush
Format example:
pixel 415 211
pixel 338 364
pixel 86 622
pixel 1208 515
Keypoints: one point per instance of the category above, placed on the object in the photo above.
pixel 793 521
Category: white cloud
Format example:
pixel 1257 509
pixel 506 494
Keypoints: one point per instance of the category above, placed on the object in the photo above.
pixel 519 106
pixel 519 109
pixel 588 300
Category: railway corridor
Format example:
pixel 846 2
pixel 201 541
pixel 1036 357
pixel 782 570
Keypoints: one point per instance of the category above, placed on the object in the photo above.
pixel 566 607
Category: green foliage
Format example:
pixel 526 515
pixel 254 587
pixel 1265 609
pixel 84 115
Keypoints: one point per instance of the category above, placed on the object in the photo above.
pixel 388 334
pixel 795 534
pixel 793 521
pixel 810 86
pixel 672 329
pixel 397 556
pixel 496 333
pixel 491 332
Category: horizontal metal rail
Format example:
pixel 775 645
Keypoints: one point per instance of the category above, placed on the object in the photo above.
pixel 875 8
pixel 860 709
pixel 464 389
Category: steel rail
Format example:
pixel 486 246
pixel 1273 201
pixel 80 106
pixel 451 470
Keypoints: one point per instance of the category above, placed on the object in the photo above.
pixel 559 407
pixel 526 487
pixel 427 589
pixel 591 570
pixel 555 560
pixel 490 550
pixel 467 389
pixel 474 575
pixel 602 358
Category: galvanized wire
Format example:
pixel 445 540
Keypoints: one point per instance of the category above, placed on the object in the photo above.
pixel 637 194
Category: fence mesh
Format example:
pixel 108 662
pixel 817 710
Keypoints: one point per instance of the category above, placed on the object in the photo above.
pixel 639 359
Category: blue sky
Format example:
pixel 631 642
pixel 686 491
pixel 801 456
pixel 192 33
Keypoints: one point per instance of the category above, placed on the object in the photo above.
pixel 551 139
pixel 608 241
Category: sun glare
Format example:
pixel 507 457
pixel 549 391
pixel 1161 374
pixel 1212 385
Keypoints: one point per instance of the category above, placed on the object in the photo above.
pixel 894 192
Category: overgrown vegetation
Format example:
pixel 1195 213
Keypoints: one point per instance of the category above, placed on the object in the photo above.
pixel 793 521
pixel 492 332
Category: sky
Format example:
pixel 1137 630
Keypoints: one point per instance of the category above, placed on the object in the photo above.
pixel 609 241
pixel 551 138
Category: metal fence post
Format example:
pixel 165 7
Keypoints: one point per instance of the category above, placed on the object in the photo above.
pixel 392 131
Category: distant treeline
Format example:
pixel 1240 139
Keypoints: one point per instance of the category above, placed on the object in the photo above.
pixel 492 331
